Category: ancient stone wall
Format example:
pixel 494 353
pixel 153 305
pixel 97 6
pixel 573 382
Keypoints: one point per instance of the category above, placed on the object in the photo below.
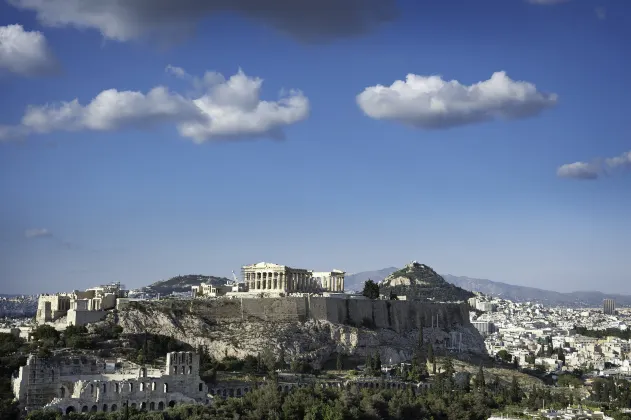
pixel 400 316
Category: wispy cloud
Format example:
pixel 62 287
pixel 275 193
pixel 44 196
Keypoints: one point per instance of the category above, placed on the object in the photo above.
pixel 601 13
pixel 37 233
pixel 596 168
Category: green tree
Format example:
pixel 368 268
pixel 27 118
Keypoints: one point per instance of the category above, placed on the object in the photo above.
pixel 478 382
pixel 515 362
pixel 515 391
pixel 371 289
pixel 45 332
pixel 338 362
pixel 561 354
pixel 378 363
pixel 504 355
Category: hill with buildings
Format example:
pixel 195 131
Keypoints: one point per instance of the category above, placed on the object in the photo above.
pixel 419 281
pixel 180 284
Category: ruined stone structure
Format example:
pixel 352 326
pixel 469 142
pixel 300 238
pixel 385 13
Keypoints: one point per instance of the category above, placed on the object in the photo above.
pixel 274 278
pixel 90 385
pixel 79 307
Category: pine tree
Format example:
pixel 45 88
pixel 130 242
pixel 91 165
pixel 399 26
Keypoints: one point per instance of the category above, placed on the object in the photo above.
pixel 515 362
pixel 515 391
pixel 339 364
pixel 479 382
pixel 378 363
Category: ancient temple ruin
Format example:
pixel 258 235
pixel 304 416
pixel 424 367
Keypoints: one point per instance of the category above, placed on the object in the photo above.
pixel 89 384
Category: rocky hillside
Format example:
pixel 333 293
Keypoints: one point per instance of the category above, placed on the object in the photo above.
pixel 419 281
pixel 179 284
pixel 313 341
pixel 18 306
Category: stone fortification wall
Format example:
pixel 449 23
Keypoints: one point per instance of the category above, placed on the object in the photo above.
pixel 400 316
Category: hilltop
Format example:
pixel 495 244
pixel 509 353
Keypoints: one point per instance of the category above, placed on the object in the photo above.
pixel 419 281
pixel 180 284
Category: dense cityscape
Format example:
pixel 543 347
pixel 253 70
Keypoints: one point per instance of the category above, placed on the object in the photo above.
pixel 99 353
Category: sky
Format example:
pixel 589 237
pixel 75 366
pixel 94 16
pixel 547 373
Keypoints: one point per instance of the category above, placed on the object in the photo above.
pixel 485 138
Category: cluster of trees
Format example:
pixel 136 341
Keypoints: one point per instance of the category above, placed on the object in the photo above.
pixel 609 332
pixel 313 403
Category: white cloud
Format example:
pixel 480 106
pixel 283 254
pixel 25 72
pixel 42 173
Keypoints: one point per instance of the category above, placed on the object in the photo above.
pixel 596 168
pixel 579 170
pixel 430 102
pixel 123 20
pixel 25 53
pixel 37 233
pixel 229 108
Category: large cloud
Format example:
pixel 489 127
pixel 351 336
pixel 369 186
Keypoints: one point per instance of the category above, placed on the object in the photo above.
pixel 596 168
pixel 430 102
pixel 227 108
pixel 25 53
pixel 307 20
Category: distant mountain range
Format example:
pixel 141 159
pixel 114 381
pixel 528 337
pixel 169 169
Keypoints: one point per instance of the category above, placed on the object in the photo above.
pixel 502 290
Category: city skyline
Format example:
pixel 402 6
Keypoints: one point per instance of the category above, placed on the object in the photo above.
pixel 487 139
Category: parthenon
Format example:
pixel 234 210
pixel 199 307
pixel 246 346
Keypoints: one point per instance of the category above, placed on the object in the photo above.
pixel 269 277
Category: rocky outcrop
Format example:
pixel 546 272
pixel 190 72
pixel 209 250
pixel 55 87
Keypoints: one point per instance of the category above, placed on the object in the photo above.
pixel 198 323
pixel 419 281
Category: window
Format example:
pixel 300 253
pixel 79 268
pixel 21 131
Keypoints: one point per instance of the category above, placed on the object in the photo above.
pixel 142 386
pixel 201 386
pixel 166 387
pixel 153 386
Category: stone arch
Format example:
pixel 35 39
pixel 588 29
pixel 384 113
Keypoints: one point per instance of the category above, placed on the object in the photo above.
pixel 165 388
pixel 142 386
pixel 239 392
pixel 92 389
pixel 133 405
pixel 160 406
pixel 94 409
pixel 114 407
pixel 62 392
pixel 143 405
pixel 153 385
pixel 116 388
pixel 105 408
pixel 190 370
pixel 171 403
pixel 201 386
pixel 143 372
pixel 152 406
pixel 104 388
pixel 84 409
pixel 231 392
pixel 280 388
pixel 69 410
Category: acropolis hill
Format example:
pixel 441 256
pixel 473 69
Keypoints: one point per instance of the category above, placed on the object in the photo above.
pixel 313 327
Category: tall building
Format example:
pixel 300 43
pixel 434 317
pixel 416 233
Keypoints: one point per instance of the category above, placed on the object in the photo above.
pixel 609 307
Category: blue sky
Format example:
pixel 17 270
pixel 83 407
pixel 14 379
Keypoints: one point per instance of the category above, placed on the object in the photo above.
pixel 142 188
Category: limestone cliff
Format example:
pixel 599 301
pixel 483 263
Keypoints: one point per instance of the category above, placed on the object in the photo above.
pixel 233 328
